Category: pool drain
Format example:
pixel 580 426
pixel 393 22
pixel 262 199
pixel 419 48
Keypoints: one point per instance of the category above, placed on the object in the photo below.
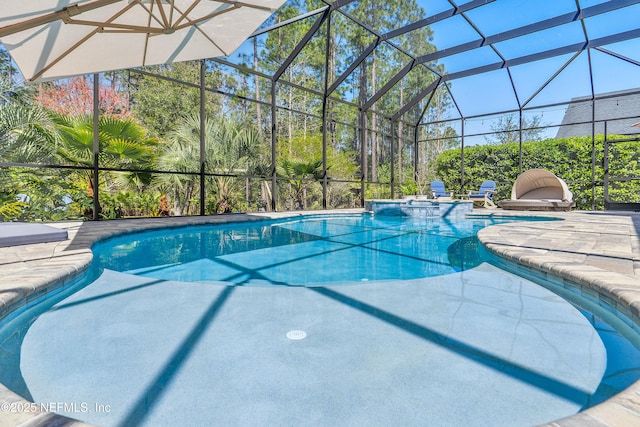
pixel 296 335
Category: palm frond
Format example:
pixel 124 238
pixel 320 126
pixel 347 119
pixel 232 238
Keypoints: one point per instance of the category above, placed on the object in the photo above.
pixel 11 210
pixel 25 134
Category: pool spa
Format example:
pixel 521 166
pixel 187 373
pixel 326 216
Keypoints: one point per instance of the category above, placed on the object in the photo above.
pixel 316 320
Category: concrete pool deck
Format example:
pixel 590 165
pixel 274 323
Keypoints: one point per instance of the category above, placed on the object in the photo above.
pixel 598 253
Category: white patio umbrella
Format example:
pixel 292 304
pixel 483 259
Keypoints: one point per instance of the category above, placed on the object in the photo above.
pixel 51 39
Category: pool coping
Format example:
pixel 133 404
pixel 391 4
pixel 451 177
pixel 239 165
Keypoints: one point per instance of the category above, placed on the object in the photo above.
pixel 595 252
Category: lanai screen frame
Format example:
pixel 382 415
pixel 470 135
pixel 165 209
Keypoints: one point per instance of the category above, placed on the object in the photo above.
pixel 324 16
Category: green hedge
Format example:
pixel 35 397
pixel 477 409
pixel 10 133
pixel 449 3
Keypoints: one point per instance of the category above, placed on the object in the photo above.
pixel 568 158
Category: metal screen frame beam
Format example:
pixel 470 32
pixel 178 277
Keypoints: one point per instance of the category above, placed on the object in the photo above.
pixel 96 147
pixel 416 99
pixel 301 45
pixel 573 48
pixel 287 22
pixel 390 84
pixel 355 64
pixel 556 21
pixel 526 30
pixel 436 18
pixel 203 148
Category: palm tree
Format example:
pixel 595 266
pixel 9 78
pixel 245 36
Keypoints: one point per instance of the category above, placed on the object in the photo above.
pixel 123 143
pixel 180 154
pixel 230 148
pixel 26 136
pixel 236 149
pixel 299 174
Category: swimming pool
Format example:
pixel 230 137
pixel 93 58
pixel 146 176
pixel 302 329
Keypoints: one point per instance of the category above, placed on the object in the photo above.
pixel 418 331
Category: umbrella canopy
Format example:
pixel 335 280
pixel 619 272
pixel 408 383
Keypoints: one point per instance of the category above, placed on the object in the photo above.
pixel 50 39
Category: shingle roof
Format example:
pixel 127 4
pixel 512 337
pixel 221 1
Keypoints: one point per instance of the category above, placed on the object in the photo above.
pixel 608 107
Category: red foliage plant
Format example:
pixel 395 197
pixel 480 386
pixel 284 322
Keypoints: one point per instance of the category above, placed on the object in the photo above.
pixel 74 96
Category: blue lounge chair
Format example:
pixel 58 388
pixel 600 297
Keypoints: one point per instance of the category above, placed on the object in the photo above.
pixel 484 196
pixel 438 190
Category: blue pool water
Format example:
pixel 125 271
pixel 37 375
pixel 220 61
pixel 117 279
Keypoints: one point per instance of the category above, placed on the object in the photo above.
pixel 301 252
pixel 349 320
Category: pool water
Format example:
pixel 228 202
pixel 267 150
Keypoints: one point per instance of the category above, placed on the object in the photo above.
pixel 350 320
pixel 301 252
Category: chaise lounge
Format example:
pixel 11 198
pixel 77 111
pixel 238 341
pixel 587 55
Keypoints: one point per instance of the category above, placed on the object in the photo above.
pixel 484 195
pixel 21 233
pixel 539 190
pixel 438 191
